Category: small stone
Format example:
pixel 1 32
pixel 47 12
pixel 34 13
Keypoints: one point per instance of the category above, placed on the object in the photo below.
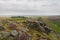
pixel 14 32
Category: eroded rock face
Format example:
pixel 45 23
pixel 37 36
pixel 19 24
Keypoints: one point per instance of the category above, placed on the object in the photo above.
pixel 39 26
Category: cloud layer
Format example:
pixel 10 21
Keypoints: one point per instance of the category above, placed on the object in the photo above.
pixel 29 7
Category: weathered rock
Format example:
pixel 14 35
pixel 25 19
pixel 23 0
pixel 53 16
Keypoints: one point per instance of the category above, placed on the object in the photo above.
pixel 12 26
pixel 2 28
pixel 14 32
pixel 11 38
pixel 47 30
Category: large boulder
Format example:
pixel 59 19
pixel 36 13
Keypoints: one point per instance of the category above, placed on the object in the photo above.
pixel 12 26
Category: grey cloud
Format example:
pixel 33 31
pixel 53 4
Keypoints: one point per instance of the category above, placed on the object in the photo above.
pixel 51 7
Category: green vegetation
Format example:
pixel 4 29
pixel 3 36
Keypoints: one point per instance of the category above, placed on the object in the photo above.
pixel 56 26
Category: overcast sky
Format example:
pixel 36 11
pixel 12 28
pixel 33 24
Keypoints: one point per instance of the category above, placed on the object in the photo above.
pixel 29 7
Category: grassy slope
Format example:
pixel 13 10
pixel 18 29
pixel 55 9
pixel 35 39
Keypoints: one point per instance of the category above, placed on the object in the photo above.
pixel 54 25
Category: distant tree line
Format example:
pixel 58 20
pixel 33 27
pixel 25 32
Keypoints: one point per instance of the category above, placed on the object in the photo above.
pixel 18 17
